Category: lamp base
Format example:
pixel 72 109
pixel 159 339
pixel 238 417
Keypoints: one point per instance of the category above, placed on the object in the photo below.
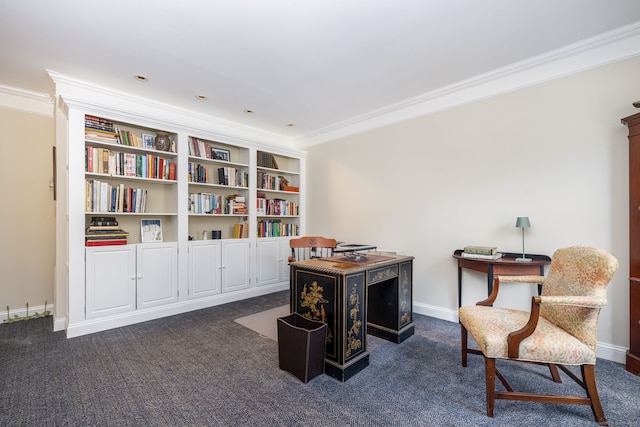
pixel 523 259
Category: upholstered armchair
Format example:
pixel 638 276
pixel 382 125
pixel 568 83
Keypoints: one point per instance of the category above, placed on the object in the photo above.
pixel 559 330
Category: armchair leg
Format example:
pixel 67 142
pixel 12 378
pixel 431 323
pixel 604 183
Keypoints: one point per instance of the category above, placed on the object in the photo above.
pixel 490 374
pixel 589 378
pixel 463 341
pixel 554 373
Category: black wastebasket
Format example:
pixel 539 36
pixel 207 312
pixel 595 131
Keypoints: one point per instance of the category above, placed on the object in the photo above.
pixel 301 346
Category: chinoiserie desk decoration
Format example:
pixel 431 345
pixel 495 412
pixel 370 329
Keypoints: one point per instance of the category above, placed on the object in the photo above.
pixel 354 295
pixel 506 264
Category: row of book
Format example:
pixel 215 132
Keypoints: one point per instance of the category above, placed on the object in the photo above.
pixel 276 207
pixel 276 228
pixel 241 231
pixel 481 252
pixel 104 231
pixel 201 148
pixel 269 181
pixel 103 160
pixel 103 197
pixel 97 129
pixel 207 203
pixel 267 160
pixel 98 123
pixel 225 175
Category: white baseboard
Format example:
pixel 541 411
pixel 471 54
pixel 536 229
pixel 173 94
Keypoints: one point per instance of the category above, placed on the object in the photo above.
pixel 59 324
pixel 22 312
pixel 606 351
pixel 611 352
pixel 437 312
pixel 109 322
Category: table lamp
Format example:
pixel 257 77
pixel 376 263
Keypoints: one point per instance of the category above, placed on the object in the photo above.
pixel 523 222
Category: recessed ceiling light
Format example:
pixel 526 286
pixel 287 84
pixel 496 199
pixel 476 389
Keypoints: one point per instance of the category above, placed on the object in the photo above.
pixel 141 78
pixel 248 111
pixel 201 97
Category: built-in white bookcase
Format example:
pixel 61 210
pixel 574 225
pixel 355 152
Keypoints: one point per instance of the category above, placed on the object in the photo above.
pixel 111 286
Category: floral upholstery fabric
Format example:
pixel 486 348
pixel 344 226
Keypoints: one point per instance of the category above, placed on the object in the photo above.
pixel 490 327
pixel 573 293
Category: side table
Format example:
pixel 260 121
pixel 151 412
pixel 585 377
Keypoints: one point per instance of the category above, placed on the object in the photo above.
pixel 505 266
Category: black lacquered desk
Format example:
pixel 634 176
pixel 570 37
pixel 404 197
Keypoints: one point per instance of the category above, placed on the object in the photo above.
pixel 354 297
pixel 505 266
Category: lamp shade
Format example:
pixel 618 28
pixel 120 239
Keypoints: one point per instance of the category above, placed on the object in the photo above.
pixel 523 221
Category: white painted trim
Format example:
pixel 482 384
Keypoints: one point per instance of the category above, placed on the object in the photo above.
pixel 22 311
pixel 437 312
pixel 102 324
pixel 606 351
pixel 23 100
pixel 611 352
pixel 609 47
pixel 59 324
pixel 92 97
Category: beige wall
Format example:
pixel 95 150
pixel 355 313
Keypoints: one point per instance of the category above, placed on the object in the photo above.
pixel 28 210
pixel 555 152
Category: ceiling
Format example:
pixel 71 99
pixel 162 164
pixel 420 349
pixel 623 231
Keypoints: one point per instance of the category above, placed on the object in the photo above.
pixel 316 64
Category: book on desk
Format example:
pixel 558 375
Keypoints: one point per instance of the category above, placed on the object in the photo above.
pixel 495 256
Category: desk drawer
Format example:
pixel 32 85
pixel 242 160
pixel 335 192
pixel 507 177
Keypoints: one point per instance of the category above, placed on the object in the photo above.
pixel 381 274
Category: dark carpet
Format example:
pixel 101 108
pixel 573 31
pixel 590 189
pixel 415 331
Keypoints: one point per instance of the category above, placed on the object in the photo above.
pixel 203 369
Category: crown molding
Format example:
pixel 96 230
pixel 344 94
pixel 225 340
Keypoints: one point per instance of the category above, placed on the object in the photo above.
pixel 23 100
pixel 613 46
pixel 112 103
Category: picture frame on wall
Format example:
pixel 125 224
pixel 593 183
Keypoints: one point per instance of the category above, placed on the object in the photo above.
pixel 151 230
pixel 220 154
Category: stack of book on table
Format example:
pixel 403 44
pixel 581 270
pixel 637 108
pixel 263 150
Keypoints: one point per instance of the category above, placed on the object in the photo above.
pixel 481 252
pixel 104 231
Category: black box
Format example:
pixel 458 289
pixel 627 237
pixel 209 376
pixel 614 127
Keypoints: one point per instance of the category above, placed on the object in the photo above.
pixel 301 346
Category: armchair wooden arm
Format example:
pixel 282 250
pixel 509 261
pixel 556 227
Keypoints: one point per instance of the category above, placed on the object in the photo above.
pixel 515 338
pixel 514 279
pixel 494 294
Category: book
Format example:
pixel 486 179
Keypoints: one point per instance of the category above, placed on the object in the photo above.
pixel 267 160
pixel 103 227
pixel 482 256
pixel 104 235
pixel 103 220
pixel 482 250
pixel 109 242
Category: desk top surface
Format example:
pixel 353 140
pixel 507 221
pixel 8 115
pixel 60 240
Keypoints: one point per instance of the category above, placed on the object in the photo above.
pixel 507 258
pixel 342 264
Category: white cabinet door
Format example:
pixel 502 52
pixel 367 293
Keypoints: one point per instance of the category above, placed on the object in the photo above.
pixel 273 265
pixel 268 268
pixel 110 280
pixel 283 261
pixel 204 268
pixel 157 278
pixel 235 264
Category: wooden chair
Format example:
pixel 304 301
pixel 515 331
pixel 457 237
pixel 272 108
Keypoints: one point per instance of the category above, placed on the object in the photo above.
pixel 560 329
pixel 311 247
